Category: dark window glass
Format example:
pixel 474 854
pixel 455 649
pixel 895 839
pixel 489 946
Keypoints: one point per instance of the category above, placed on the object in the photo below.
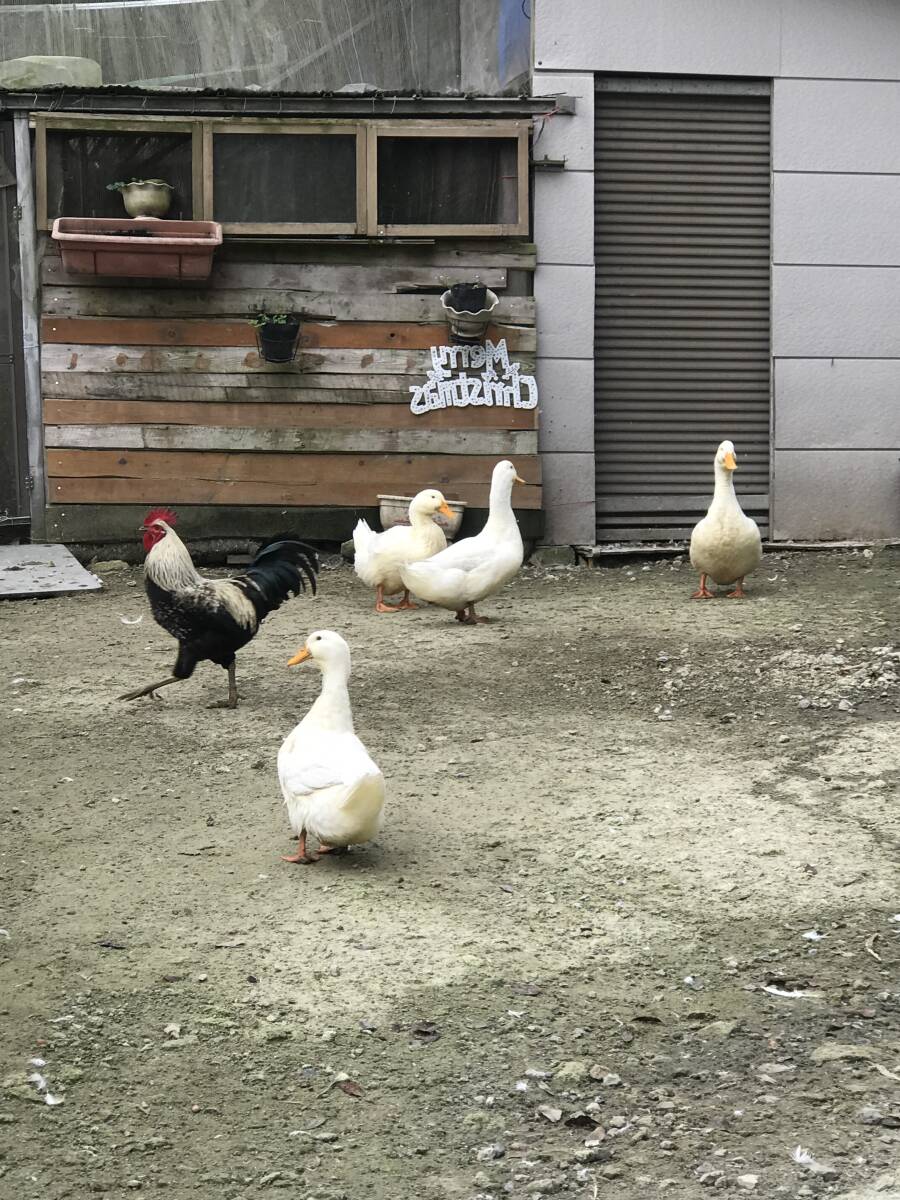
pixel 80 165
pixel 447 181
pixel 282 177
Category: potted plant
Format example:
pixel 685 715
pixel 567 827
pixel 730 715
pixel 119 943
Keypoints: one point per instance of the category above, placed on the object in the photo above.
pixel 276 335
pixel 144 197
pixel 468 307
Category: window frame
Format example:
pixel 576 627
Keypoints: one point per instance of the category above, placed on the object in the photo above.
pixel 518 131
pixel 203 130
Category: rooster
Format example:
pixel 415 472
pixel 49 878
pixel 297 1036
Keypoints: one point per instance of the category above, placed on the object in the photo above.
pixel 212 618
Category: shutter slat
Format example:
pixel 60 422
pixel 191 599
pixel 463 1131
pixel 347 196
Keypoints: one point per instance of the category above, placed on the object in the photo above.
pixel 682 216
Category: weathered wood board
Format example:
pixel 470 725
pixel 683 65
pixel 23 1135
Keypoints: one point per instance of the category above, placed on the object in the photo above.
pixel 42 571
pixel 211 477
pixel 368 335
pixel 495 442
pixel 285 414
pixel 238 360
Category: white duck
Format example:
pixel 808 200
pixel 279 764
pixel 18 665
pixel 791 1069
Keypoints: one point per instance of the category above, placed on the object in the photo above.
pixel 378 557
pixel 476 567
pixel 332 788
pixel 725 545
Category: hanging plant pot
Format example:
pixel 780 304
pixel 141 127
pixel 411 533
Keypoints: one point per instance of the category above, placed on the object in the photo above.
pixel 144 197
pixel 468 323
pixel 276 336
pixel 467 297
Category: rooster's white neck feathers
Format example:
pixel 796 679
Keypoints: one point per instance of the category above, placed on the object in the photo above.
pixel 170 566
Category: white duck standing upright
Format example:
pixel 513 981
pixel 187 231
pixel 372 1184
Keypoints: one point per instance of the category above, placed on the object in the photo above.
pixel 725 545
pixel 476 567
pixel 377 557
pixel 332 789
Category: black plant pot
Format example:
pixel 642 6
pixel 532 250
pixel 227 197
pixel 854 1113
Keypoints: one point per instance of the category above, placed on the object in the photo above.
pixel 278 342
pixel 468 297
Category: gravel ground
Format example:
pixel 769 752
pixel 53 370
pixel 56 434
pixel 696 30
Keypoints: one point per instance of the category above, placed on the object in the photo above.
pixel 632 925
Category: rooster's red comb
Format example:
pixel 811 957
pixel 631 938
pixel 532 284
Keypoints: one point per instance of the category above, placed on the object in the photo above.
pixel 160 514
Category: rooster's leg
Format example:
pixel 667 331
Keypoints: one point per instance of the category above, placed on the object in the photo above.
pixel 150 690
pixel 406 602
pixel 232 700
pixel 380 605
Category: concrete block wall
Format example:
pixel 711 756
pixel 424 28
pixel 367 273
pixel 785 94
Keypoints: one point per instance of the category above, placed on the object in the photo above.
pixel 564 291
pixel 835 68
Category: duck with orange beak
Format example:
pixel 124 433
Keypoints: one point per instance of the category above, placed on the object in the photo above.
pixel 377 557
pixel 332 789
pixel 470 570
pixel 726 545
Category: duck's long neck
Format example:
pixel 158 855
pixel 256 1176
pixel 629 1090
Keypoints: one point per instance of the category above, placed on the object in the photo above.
pixel 500 514
pixel 332 710
pixel 419 519
pixel 724 495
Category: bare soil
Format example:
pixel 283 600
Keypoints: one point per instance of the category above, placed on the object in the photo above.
pixel 615 819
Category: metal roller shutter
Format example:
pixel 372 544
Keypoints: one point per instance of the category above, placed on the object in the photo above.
pixel 682 354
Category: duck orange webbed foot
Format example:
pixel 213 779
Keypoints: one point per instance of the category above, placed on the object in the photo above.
pixel 380 606
pixel 703 592
pixel 406 602
pixel 738 593
pixel 301 856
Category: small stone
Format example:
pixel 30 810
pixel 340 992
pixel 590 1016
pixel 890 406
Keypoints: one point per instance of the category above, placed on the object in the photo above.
pixel 611 1171
pixel 836 1052
pixel 549 1113
pixel 591 1154
pixel 783 738
pixel 747 1182
pixel 710 1178
pixel 489 1153
pixel 110 565
pixel 719 1030
pixel 870 1115
pixel 612 1080
pixel 546 1187
pixel 571 1071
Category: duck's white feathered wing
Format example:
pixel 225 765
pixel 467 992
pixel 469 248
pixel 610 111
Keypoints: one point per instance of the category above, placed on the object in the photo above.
pixel 332 788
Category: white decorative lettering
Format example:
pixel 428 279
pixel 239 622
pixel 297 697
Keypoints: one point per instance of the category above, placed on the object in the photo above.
pixel 498 384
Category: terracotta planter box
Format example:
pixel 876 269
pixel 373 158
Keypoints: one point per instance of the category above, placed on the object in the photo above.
pixel 154 250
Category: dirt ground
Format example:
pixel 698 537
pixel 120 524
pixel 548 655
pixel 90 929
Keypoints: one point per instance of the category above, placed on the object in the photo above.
pixel 632 925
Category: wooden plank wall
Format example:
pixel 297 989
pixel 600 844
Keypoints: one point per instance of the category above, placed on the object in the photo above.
pixel 155 392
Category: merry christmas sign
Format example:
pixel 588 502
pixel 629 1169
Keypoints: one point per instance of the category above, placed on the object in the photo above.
pixel 464 375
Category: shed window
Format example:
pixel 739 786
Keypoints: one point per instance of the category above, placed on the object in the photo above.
pixel 293 176
pixel 299 179
pixel 447 181
pixel 81 165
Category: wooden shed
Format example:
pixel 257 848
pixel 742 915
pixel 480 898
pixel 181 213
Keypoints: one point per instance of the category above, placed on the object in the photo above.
pixel 355 214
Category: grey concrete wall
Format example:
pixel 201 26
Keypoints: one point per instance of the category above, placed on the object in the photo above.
pixel 564 291
pixel 835 68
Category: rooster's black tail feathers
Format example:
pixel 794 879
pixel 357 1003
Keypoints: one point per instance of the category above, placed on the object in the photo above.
pixel 281 567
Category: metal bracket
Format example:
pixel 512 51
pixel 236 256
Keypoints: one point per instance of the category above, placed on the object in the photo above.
pixel 549 164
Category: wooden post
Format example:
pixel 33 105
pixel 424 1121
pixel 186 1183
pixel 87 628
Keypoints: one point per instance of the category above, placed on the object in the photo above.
pixel 37 483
